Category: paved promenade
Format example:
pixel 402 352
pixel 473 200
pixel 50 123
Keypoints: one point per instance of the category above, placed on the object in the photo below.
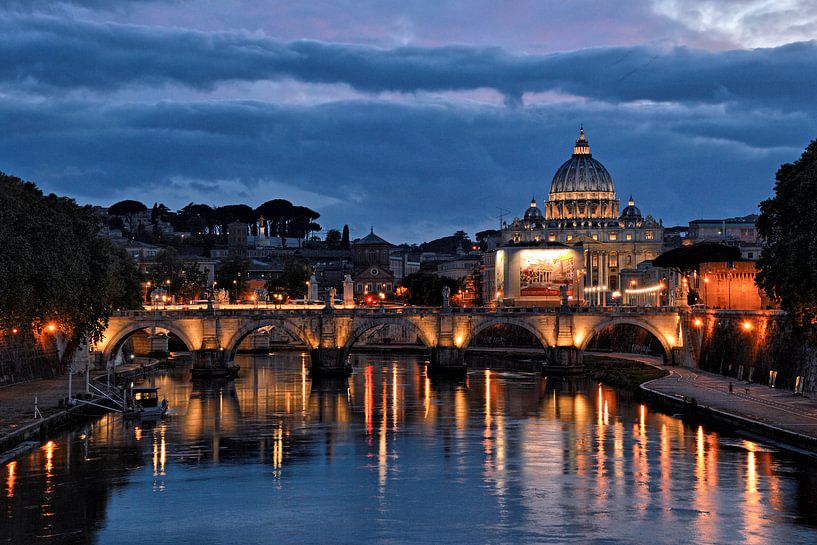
pixel 17 400
pixel 778 408
pixel 770 406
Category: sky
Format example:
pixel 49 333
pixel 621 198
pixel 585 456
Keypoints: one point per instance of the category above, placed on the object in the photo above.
pixel 417 118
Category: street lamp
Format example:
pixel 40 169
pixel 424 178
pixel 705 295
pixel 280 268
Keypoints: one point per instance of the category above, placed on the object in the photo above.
pixel 706 293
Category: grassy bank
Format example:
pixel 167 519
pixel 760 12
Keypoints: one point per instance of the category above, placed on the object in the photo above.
pixel 619 372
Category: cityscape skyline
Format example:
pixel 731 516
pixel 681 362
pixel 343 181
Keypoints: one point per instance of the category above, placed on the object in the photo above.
pixel 362 112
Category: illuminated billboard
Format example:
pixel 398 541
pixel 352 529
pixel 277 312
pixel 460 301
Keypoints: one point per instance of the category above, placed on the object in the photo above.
pixel 542 271
pixel 536 275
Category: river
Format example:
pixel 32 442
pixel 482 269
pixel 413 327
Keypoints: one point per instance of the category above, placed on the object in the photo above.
pixel 394 457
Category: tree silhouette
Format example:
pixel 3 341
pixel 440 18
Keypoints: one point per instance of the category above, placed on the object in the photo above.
pixel 344 239
pixel 788 224
pixel 127 209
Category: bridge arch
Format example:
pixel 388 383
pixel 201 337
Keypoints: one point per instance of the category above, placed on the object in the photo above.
pixel 487 323
pixel 361 327
pixel 116 341
pixel 666 346
pixel 292 329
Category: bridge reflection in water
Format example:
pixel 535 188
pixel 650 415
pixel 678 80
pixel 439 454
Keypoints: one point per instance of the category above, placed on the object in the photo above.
pixel 393 455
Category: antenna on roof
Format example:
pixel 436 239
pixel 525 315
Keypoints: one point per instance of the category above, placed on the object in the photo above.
pixel 501 216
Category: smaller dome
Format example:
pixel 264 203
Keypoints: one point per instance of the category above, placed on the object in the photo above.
pixel 631 211
pixel 533 213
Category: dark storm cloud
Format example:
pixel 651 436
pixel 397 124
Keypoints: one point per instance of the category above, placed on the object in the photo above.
pixel 51 55
pixel 378 162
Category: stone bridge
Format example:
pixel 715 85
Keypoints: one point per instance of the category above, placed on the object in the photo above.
pixel 213 336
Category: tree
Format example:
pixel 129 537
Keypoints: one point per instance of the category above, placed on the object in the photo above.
pixel 166 270
pixel 184 281
pixel 193 282
pixel 127 209
pixel 788 224
pixel 689 258
pixel 196 218
pixel 124 285
pixel 279 212
pixel 225 215
pixel 54 268
pixel 233 276
pixel 426 289
pixel 293 280
pixel 333 238
pixel 115 222
pixel 344 239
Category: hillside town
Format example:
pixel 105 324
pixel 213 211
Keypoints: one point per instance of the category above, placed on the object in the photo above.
pixel 277 252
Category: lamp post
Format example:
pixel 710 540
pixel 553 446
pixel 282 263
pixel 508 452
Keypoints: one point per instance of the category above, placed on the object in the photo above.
pixel 706 292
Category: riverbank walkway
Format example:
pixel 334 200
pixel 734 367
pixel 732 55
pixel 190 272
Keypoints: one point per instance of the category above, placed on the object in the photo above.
pixel 769 406
pixel 17 400
pixel 757 402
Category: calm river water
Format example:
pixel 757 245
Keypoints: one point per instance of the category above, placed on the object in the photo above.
pixel 393 457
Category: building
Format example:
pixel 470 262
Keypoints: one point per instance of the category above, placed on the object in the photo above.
pixel 459 267
pixel 743 229
pixel 402 264
pixel 740 232
pixel 579 239
pixel 731 286
pixel 371 262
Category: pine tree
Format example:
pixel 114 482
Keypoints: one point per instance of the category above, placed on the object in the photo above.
pixel 344 238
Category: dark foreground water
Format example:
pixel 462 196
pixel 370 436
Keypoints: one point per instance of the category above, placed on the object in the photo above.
pixel 393 457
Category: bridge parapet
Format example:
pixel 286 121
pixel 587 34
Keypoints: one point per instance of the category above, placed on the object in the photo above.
pixel 333 331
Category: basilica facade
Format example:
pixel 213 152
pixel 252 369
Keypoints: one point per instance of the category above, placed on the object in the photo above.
pixel 579 231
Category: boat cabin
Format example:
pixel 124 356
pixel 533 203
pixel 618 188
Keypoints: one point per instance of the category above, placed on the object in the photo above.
pixel 145 397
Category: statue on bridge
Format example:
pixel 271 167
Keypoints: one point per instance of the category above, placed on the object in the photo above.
pixel 446 296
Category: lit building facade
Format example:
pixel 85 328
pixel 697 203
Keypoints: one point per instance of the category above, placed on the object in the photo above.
pixel 581 213
pixel 371 261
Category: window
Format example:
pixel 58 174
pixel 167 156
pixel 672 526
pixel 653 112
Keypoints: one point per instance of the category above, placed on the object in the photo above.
pixel 552 237
pixel 649 235
pixel 595 236
pixel 569 237
pixel 751 255
pixel 629 260
pixel 613 260
pixel 613 235
pixel 536 238
pixel 628 236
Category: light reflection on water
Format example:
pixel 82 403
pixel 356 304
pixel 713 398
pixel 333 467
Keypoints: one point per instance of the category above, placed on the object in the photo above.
pixel 393 456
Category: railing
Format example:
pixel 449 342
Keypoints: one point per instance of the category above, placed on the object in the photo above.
pixel 265 311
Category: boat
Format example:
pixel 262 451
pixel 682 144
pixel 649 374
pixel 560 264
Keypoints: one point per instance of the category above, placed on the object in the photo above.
pixel 145 403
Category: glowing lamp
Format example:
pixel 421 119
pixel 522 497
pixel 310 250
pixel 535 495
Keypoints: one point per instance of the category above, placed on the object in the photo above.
pixel 52 328
pixel 698 322
pixel 747 326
